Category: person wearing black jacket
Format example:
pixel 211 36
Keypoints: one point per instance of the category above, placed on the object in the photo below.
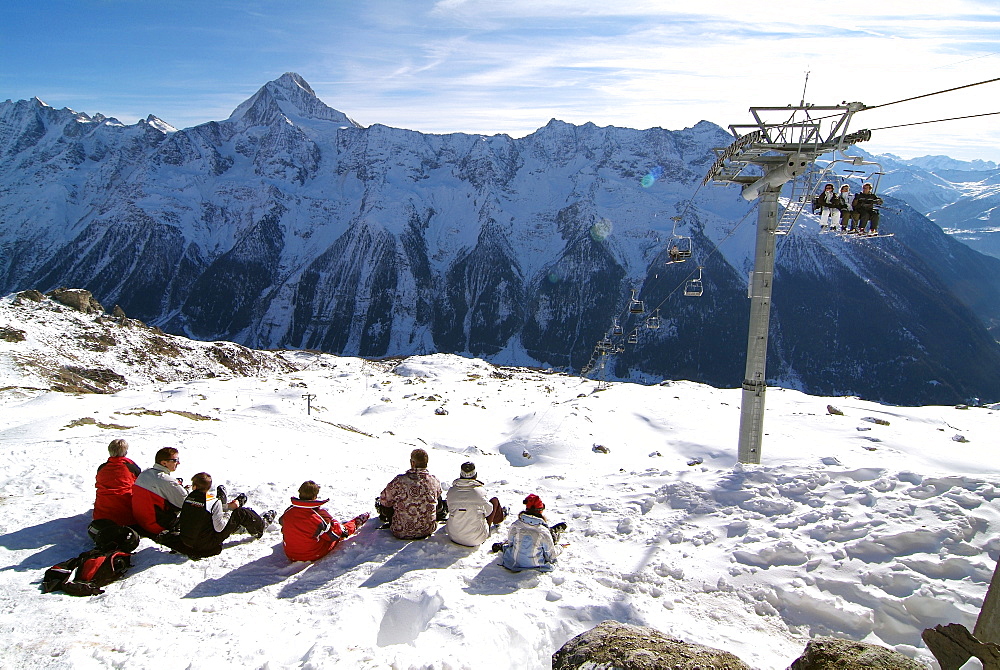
pixel 828 204
pixel 864 205
pixel 206 520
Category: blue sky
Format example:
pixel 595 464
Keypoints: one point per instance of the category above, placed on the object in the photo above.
pixel 508 66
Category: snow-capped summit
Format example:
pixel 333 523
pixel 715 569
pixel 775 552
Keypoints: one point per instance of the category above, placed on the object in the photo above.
pixel 290 96
pixel 159 124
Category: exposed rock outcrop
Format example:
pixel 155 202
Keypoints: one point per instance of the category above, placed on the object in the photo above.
pixel 84 350
pixel 612 644
pixel 831 653
pixel 79 299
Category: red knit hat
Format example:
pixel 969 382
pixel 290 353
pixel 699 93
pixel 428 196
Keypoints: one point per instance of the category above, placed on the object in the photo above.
pixel 534 502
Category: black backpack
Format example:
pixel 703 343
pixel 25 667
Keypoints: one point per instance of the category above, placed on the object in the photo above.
pixel 91 570
pixel 107 534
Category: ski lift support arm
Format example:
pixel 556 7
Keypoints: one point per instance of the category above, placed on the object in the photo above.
pixel 769 145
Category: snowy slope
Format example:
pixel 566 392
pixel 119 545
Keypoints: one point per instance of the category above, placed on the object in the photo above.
pixel 872 525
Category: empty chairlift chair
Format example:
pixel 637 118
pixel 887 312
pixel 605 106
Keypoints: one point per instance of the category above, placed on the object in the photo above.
pixel 653 320
pixel 694 287
pixel 636 306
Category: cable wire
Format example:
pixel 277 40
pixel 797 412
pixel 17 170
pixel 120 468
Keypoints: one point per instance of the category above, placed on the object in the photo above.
pixel 954 118
pixel 927 95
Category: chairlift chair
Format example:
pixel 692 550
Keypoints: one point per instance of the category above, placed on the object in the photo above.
pixel 679 249
pixel 636 306
pixel 617 328
pixel 694 287
pixel 633 337
pixel 653 321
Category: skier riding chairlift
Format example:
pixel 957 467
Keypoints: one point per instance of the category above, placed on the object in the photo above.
pixel 678 249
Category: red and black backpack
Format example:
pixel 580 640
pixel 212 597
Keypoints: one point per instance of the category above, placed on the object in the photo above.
pixel 86 574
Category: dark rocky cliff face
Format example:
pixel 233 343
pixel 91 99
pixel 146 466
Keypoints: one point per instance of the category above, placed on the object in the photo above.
pixel 288 225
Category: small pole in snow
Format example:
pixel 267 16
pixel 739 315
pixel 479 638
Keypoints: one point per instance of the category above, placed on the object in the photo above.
pixel 309 398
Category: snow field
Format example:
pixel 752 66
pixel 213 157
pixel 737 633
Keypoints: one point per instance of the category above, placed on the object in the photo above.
pixel 827 536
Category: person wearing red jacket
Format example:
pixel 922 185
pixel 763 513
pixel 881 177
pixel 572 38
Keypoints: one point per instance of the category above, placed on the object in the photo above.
pixel 309 531
pixel 114 485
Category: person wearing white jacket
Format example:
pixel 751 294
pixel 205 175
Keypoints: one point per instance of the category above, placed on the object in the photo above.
pixel 470 514
pixel 847 212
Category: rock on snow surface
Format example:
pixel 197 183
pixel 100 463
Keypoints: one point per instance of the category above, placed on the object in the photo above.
pixel 849 528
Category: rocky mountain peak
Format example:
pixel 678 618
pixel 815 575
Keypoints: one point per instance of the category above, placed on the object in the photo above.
pixel 287 97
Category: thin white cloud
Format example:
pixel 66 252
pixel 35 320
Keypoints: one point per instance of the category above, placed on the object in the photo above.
pixel 482 66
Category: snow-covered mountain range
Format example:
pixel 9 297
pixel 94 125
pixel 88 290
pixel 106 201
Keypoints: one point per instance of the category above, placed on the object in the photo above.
pixel 288 225
pixel 963 197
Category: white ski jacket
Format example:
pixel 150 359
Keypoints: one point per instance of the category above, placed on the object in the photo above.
pixel 529 545
pixel 467 512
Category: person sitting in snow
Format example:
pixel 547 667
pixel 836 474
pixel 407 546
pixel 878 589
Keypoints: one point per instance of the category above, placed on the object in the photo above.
pixel 157 497
pixel 115 478
pixel 411 503
pixel 531 544
pixel 309 532
pixel 470 514
pixel 207 520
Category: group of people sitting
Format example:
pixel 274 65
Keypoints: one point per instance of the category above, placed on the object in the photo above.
pixel 193 520
pixel 196 520
pixel 853 215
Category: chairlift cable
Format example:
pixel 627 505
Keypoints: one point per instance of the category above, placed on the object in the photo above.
pixel 926 95
pixel 625 311
pixel 916 97
pixel 684 281
pixel 954 118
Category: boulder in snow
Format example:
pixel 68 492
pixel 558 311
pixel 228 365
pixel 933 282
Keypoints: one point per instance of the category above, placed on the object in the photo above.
pixel 612 644
pixel 78 298
pixel 824 653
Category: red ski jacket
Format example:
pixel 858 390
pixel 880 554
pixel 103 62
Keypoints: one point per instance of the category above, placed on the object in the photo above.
pixel 157 499
pixel 309 531
pixel 114 490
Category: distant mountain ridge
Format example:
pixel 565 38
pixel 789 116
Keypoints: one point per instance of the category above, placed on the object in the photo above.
pixel 288 225
pixel 963 197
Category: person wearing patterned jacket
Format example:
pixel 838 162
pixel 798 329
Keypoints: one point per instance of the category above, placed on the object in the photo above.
pixel 411 503
pixel 308 530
